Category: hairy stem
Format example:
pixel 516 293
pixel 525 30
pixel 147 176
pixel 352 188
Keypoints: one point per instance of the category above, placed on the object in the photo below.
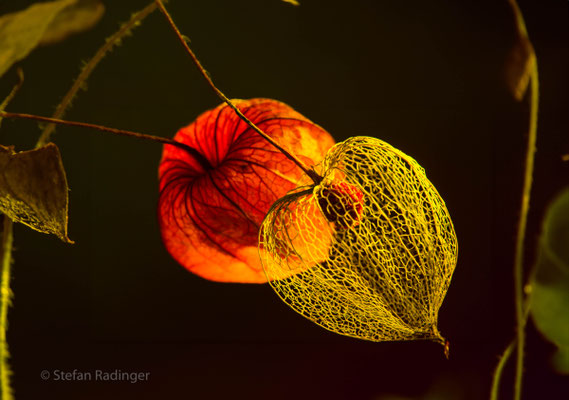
pixel 7 236
pixel 199 157
pixel 5 301
pixel 111 41
pixel 310 172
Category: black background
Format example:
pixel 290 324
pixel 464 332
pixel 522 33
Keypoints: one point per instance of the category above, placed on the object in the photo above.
pixel 427 77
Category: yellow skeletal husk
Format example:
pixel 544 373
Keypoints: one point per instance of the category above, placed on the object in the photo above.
pixel 382 276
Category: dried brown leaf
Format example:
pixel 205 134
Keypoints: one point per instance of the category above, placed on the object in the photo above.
pixel 519 66
pixel 521 60
pixel 33 189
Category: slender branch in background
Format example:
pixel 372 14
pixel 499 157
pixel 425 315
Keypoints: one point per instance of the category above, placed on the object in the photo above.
pixel 5 302
pixel 310 172
pixel 199 157
pixel 506 356
pixel 6 239
pixel 13 91
pixel 111 41
pixel 524 209
pixel 520 238
pixel 499 369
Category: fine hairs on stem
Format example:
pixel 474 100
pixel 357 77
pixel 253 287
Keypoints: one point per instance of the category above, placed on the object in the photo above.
pixel 135 19
pixel 6 392
pixel 86 71
pixel 5 302
pixel 100 54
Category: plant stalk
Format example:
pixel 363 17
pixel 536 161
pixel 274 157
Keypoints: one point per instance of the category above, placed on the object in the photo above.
pixel 499 369
pixel 524 209
pixel 111 41
pixel 199 157
pixel 5 302
pixel 520 238
pixel 310 172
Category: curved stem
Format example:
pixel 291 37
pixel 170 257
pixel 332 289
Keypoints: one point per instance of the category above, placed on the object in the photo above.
pixel 507 354
pixel 111 41
pixel 310 172
pixel 521 305
pixel 198 156
pixel 499 369
pixel 524 208
pixel 5 301
pixel 520 238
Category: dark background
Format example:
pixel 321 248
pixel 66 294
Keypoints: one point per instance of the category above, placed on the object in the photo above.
pixel 427 77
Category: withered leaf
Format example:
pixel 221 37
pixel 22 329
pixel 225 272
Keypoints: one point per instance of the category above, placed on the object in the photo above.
pixel 33 189
pixel 519 66
pixel 521 60
pixel 22 31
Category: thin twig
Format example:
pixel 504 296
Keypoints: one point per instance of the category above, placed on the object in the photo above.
pixel 6 392
pixel 499 369
pixel 524 209
pixel 111 41
pixel 507 353
pixel 521 304
pixel 79 82
pixel 199 157
pixel 520 239
pixel 310 172
pixel 14 90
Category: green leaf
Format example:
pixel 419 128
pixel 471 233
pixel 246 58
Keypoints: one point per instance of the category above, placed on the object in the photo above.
pixel 560 360
pixel 550 303
pixel 33 189
pixel 42 23
pixel 550 283
pixel 76 18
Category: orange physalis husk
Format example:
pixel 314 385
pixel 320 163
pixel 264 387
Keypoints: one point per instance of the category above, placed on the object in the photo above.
pixel 210 215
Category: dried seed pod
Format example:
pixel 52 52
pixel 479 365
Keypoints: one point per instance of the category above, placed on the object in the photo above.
pixel 367 253
pixel 341 203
